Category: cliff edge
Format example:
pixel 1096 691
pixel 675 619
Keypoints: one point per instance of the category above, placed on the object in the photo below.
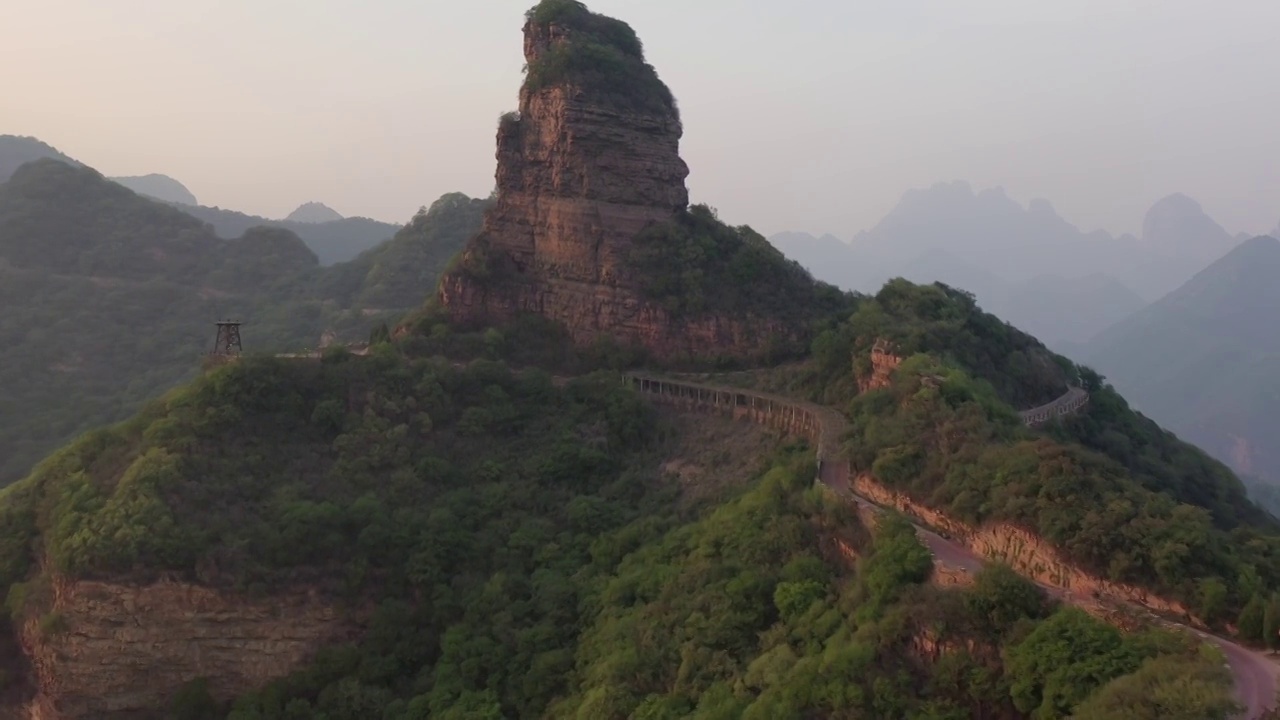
pixel 589 164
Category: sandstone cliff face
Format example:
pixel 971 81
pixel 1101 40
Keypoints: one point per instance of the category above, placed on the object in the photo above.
pixel 884 360
pixel 578 178
pixel 126 650
pixel 1022 550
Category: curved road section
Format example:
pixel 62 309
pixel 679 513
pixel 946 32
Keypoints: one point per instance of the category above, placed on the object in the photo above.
pixel 1255 674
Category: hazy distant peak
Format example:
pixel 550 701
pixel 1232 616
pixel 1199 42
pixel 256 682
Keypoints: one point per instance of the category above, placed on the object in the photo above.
pixel 996 193
pixel 1041 206
pixel 1260 246
pixel 17 150
pixel 314 212
pixel 158 187
pixel 1178 220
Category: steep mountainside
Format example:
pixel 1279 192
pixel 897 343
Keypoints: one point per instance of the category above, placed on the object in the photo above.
pixel 402 535
pixel 158 187
pixel 932 395
pixel 499 542
pixel 1177 225
pixel 1203 359
pixel 17 151
pixel 314 213
pixel 591 228
pixel 334 241
pixel 109 298
pixel 1062 311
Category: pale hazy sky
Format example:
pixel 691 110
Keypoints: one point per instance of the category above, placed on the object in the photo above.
pixel 806 115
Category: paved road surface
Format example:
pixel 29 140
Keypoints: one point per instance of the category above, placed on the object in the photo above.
pixel 1255 673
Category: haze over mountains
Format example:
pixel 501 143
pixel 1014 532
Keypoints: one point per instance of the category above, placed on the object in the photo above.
pixel 109 296
pixel 1205 359
pixel 158 187
pixel 496 510
pixel 1026 264
pixel 330 236
pixel 313 212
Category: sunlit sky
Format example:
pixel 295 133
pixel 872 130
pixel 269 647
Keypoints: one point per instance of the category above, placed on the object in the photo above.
pixel 802 115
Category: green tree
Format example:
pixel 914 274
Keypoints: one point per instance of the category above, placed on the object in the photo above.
pixel 1001 597
pixel 1252 620
pixel 1194 688
pixel 1063 660
pixel 1271 624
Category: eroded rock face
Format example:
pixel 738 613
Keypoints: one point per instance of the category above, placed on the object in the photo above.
pixel 884 360
pixel 123 651
pixel 1021 550
pixel 578 178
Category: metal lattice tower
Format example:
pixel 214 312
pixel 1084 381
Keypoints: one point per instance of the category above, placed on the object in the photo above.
pixel 228 341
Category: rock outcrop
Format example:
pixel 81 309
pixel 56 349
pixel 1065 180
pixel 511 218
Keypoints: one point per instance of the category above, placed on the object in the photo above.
pixel 1021 550
pixel 121 651
pixel 582 169
pixel 884 360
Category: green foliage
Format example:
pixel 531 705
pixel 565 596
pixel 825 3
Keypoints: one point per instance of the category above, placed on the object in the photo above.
pixel 1190 687
pixel 1250 623
pixel 696 264
pixel 900 559
pixel 1063 660
pixel 110 298
pixel 1271 624
pixel 1108 488
pixel 193 701
pixel 1159 461
pixel 601 55
pixel 523 558
pixel 948 324
pixel 1002 598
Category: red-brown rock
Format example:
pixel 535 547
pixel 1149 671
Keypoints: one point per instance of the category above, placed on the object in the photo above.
pixel 579 176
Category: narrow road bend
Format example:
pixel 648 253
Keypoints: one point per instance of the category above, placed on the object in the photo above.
pixel 1255 674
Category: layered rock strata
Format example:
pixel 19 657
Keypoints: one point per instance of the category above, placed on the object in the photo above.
pixel 579 176
pixel 107 650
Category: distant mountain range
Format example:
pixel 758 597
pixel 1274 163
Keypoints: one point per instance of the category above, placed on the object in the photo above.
pixel 1205 360
pixel 158 187
pixel 1025 264
pixel 110 296
pixel 16 151
pixel 313 212
pixel 331 237
pixel 333 242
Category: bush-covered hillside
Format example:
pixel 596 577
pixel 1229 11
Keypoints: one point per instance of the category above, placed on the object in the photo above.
pixel 602 56
pixel 528 559
pixel 110 298
pixel 696 264
pixel 1107 487
pixel 1112 490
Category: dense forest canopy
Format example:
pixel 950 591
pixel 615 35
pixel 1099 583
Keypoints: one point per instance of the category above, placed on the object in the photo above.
pixel 110 296
pixel 531 559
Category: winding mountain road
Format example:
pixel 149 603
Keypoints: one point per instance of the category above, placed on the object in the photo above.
pixel 1255 674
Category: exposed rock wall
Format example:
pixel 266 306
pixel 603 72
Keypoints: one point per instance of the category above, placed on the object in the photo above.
pixel 578 178
pixel 884 360
pixel 123 651
pixel 1022 550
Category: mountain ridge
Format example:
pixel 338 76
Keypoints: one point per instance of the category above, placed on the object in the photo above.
pixel 1200 359
pixel 158 187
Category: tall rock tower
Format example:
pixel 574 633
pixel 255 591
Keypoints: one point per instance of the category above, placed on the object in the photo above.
pixel 590 160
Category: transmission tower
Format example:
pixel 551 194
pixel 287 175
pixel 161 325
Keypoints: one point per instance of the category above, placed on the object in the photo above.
pixel 228 340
